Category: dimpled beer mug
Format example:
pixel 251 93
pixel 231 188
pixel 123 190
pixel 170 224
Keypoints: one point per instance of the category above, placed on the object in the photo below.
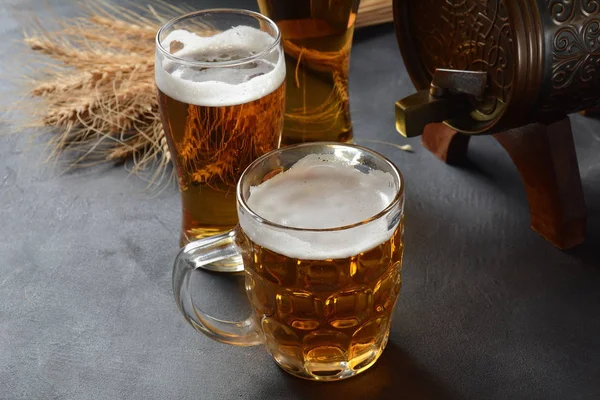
pixel 317 38
pixel 321 237
pixel 220 78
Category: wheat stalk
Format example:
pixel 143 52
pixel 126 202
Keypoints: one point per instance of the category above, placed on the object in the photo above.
pixel 97 92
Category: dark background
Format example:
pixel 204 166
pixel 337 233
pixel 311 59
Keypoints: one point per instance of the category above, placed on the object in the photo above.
pixel 488 310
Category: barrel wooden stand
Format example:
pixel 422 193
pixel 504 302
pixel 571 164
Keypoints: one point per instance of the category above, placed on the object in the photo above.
pixel 545 157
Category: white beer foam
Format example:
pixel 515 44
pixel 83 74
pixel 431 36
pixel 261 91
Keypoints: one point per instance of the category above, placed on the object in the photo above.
pixel 320 192
pixel 219 86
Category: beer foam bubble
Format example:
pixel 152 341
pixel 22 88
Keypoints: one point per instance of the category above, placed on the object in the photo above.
pixel 320 192
pixel 219 86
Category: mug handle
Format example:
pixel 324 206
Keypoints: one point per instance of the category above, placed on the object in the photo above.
pixel 196 255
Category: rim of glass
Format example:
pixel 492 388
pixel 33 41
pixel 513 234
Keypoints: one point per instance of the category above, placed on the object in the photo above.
pixel 396 171
pixel 218 64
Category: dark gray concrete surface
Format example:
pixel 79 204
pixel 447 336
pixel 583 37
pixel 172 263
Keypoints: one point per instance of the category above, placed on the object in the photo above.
pixel 488 310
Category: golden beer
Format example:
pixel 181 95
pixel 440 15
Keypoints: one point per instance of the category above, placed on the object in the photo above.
pixel 321 314
pixel 221 107
pixel 324 299
pixel 317 38
pixel 211 147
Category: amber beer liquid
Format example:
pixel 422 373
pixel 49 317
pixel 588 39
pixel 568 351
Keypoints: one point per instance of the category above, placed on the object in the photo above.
pixel 218 120
pixel 323 299
pixel 316 37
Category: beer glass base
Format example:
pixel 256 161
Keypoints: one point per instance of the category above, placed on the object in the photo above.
pixel 331 371
pixel 232 264
pixel 192 234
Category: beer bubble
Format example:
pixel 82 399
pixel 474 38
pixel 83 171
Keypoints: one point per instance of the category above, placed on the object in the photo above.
pixel 321 192
pixel 219 85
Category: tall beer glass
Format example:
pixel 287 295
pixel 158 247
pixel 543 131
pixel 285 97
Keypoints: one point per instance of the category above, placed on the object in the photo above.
pixel 316 38
pixel 220 78
pixel 321 236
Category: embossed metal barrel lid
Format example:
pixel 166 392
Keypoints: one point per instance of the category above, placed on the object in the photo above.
pixel 541 58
